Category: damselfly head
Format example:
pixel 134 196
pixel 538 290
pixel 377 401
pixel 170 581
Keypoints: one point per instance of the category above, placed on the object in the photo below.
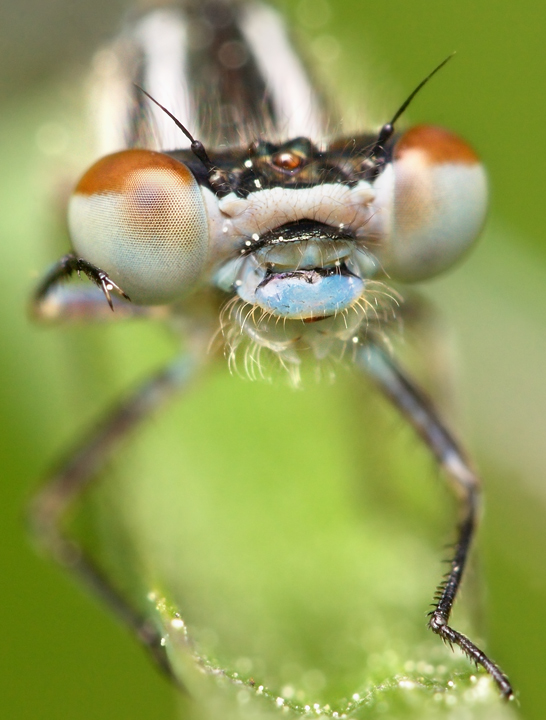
pixel 159 229
pixel 297 231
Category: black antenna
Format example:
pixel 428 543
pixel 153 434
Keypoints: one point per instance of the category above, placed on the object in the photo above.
pixel 197 147
pixel 377 150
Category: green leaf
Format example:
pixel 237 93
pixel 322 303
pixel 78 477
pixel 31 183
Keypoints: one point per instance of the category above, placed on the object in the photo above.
pixel 288 544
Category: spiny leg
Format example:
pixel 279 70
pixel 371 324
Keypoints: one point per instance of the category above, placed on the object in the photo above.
pixel 79 471
pixel 419 411
pixel 67 266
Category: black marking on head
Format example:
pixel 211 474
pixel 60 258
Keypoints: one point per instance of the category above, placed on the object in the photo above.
pixel 310 276
pixel 254 168
pixel 298 231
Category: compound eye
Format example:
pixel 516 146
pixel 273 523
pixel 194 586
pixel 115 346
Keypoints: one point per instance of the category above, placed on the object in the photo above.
pixel 139 216
pixel 440 203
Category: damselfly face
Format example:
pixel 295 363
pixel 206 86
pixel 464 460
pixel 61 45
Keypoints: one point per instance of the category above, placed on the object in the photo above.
pixel 307 230
pixel 301 240
pixel 288 231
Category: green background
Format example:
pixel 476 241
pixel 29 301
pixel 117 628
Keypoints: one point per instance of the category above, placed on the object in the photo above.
pixel 62 655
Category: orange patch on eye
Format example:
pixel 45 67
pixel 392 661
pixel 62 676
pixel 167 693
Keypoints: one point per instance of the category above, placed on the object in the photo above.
pixel 436 145
pixel 111 173
pixel 287 161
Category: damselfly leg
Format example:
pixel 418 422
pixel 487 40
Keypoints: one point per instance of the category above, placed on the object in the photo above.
pixel 79 470
pixel 417 408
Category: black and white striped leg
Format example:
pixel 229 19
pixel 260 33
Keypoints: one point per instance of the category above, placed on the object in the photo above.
pixel 418 409
pixel 80 469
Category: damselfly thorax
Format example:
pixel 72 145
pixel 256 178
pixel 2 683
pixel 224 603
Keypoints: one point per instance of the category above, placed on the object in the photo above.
pixel 221 177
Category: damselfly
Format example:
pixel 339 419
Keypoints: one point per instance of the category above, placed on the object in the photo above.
pixel 248 225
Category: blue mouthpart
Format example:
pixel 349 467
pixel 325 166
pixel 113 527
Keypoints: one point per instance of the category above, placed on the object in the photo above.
pixel 306 294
